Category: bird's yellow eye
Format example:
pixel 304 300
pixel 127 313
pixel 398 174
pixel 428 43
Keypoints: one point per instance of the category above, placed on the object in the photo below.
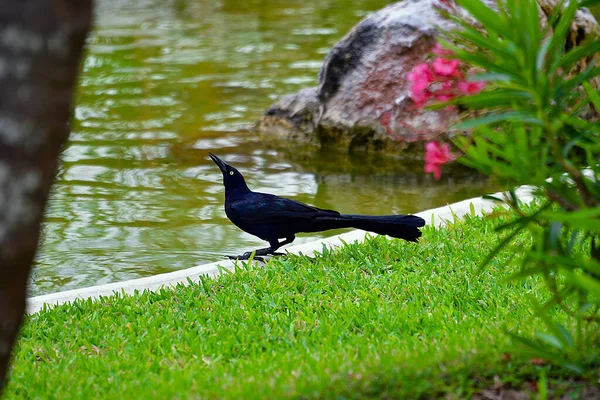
pixel 230 172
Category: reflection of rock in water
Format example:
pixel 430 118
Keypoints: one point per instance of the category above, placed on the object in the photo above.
pixel 332 160
pixel 378 194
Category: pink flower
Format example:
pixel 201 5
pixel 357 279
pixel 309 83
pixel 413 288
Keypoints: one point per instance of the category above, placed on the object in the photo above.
pixel 420 85
pixel 445 67
pixel 470 87
pixel 436 155
pixel 421 72
pixel 444 97
pixel 420 96
pixel 420 76
pixel 446 92
pixel 440 51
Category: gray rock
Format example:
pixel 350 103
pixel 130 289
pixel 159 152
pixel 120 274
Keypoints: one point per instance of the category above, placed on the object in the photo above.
pixel 293 117
pixel 362 100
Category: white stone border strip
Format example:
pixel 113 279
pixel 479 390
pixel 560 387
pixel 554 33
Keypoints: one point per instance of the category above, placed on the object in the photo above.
pixel 439 216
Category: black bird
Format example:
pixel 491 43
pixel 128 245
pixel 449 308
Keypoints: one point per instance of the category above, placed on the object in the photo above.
pixel 271 217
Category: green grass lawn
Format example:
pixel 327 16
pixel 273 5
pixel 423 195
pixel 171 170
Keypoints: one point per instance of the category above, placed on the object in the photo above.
pixel 384 319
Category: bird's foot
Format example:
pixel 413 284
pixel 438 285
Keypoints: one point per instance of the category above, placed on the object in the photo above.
pixel 245 256
pixel 257 257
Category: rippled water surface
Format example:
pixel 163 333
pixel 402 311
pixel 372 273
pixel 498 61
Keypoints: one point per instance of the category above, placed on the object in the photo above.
pixel 166 81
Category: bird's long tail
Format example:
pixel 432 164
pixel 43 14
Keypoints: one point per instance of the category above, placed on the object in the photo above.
pixel 399 226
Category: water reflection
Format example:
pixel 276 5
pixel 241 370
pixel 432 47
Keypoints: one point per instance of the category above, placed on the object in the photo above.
pixel 164 82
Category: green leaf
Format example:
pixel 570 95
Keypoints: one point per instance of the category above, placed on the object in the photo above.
pixel 594 96
pixel 558 331
pixel 568 86
pixel 532 40
pixel 522 274
pixel 578 53
pixel 588 219
pixel 584 281
pixel 561 30
pixel 484 61
pixel 557 12
pixel 538 350
pixel 491 77
pixel 589 3
pixel 522 221
pixel 579 123
pixel 550 340
pixel 470 35
pixel 541 56
pixel 493 118
pixel 492 198
pixel 542 386
pixel 492 99
pixel 488 18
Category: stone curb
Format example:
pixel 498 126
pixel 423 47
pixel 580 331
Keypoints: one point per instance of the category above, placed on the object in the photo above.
pixel 437 216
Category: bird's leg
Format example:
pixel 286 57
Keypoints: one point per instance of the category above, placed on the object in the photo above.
pixel 287 240
pixel 275 244
pixel 258 254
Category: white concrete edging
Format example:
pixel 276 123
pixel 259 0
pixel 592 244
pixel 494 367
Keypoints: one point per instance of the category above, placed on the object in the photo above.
pixel 436 216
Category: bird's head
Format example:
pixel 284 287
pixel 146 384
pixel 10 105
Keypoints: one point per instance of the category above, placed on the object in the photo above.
pixel 232 178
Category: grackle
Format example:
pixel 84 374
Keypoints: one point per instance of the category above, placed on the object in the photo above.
pixel 271 217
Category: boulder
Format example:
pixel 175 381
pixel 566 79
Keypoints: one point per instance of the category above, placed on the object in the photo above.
pixel 362 100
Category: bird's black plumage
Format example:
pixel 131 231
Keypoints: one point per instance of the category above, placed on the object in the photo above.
pixel 271 217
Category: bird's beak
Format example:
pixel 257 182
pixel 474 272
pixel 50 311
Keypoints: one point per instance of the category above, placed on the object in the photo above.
pixel 220 163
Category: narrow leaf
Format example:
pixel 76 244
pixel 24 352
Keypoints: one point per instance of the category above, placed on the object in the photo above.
pixel 488 18
pixel 492 118
pixel 578 53
pixel 593 94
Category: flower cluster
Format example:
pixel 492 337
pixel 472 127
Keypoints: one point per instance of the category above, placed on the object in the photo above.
pixel 436 155
pixel 441 80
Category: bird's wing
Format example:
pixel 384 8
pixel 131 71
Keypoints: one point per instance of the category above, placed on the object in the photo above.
pixel 266 208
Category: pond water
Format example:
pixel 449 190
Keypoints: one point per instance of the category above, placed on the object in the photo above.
pixel 165 82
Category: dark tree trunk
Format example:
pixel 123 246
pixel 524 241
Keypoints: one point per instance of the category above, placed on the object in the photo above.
pixel 41 43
